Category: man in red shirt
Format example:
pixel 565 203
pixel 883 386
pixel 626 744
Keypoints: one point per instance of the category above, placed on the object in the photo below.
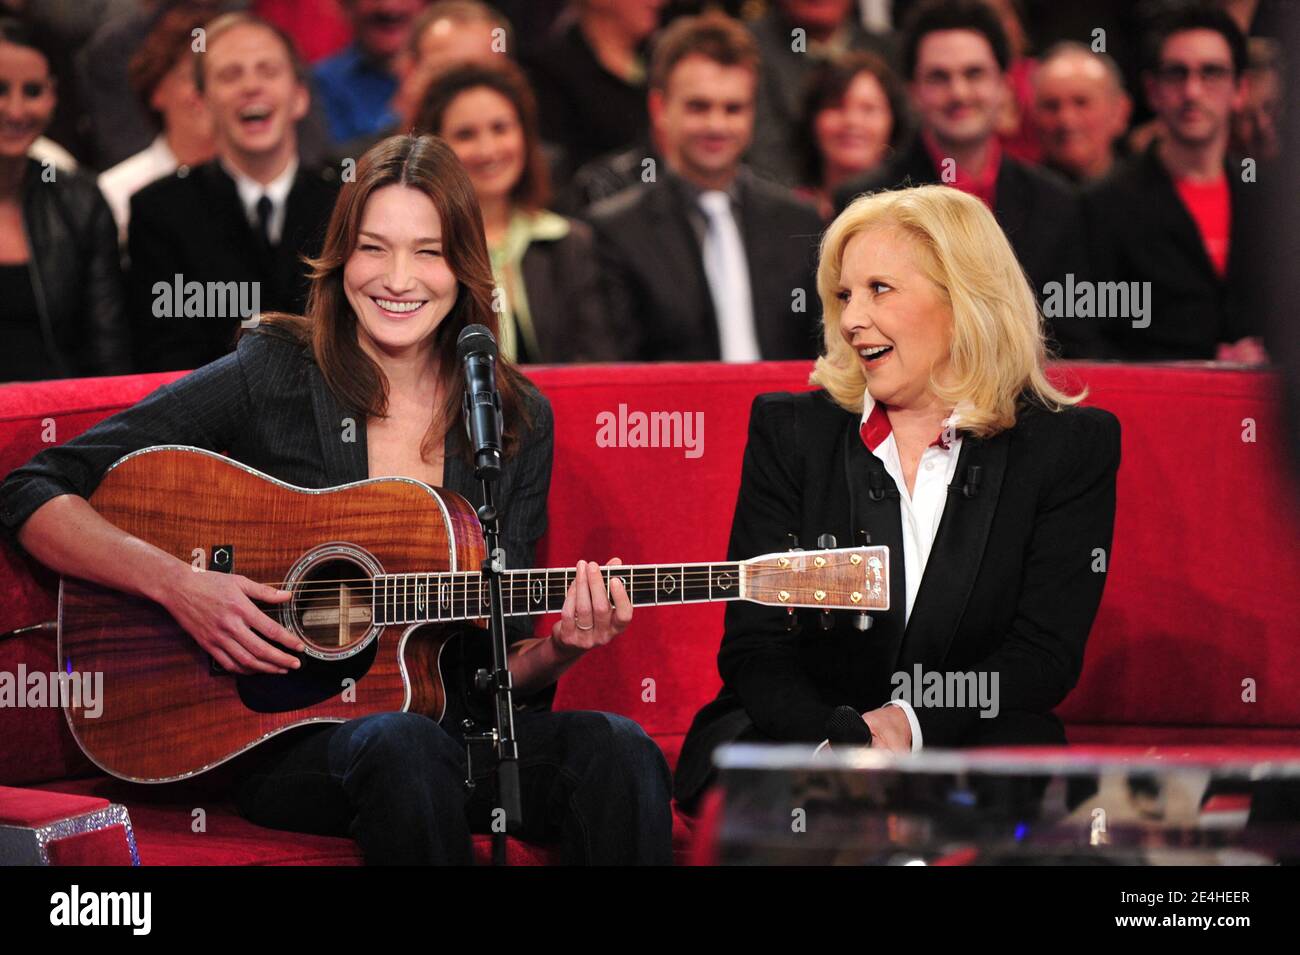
pixel 1179 215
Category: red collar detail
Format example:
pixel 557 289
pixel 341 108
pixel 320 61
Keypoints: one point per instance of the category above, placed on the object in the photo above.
pixel 877 428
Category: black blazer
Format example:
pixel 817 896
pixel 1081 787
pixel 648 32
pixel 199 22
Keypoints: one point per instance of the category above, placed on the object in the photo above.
pixel 1009 587
pixel 192 223
pixel 75 272
pixel 1039 211
pixel 565 299
pixel 657 292
pixel 1140 231
pixel 266 404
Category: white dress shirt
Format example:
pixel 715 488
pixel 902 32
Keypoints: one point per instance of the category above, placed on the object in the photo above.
pixel 277 190
pixel 921 510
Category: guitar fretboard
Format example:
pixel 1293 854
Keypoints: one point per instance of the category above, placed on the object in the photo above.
pixel 428 598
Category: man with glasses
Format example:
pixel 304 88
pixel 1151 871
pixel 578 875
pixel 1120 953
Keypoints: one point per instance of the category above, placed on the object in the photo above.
pixel 1181 214
pixel 954 56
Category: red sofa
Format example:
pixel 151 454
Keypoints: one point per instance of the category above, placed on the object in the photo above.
pixel 1201 595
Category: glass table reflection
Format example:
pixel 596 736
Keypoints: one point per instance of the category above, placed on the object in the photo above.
pixel 783 805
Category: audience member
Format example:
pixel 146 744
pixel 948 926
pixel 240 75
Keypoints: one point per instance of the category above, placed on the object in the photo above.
pixel 855 117
pixel 121 125
pixel 708 261
pixel 549 302
pixel 357 85
pixel 955 56
pixel 162 77
pixel 1256 125
pixel 1017 128
pixel 59 276
pixel 590 81
pixel 446 33
pixel 319 28
pixel 1173 215
pixel 238 224
pixel 1081 109
pixel 794 38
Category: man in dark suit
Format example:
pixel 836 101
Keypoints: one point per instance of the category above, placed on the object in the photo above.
pixel 955 56
pixel 234 229
pixel 707 261
pixel 1183 215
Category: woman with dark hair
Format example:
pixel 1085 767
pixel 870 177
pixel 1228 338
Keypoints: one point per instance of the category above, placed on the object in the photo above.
pixel 367 384
pixel 549 296
pixel 60 279
pixel 855 117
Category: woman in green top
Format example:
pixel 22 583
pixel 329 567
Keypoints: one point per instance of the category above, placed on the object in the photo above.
pixel 548 294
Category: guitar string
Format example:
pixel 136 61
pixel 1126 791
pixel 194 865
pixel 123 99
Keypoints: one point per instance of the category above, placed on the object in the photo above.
pixel 397 592
pixel 694 574
pixel 463 598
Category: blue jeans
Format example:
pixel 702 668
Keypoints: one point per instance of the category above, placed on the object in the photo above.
pixel 394 782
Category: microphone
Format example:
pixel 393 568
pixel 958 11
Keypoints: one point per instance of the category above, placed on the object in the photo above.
pixel 846 725
pixel 876 480
pixel 971 487
pixel 477 350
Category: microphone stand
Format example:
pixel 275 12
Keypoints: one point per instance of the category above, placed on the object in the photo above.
pixel 476 348
pixel 506 748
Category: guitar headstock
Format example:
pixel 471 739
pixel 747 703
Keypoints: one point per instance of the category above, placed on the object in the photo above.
pixel 846 578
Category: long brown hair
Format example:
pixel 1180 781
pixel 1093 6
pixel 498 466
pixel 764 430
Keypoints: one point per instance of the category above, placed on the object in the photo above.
pixel 329 328
pixel 533 190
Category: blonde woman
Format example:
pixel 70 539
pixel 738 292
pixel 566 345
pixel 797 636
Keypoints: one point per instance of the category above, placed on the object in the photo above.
pixel 935 432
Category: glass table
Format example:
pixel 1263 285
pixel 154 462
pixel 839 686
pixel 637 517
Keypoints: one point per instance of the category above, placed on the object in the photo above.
pixel 784 805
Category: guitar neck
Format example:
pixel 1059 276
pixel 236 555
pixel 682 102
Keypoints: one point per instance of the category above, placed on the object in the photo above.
pixel 429 598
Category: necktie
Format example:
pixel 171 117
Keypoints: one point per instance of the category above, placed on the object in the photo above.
pixel 728 275
pixel 264 221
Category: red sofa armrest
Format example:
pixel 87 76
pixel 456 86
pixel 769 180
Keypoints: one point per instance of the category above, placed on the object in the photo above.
pixel 49 828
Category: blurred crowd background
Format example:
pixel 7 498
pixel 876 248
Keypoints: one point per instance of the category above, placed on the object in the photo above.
pixel 654 175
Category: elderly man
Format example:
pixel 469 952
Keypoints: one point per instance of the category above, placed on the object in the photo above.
pixel 1081 110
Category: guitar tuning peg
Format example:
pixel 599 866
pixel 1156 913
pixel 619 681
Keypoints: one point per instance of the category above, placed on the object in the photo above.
pixel 863 621
pixel 790 622
pixel 826 621
pixel 826 541
pixel 793 541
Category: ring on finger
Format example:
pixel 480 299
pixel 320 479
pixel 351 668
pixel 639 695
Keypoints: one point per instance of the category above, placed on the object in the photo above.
pixel 591 626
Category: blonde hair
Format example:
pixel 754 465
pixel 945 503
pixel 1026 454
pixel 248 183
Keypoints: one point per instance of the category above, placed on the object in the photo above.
pixel 998 345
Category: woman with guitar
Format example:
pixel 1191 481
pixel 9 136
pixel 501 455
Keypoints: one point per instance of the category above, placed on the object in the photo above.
pixel 936 433
pixel 368 384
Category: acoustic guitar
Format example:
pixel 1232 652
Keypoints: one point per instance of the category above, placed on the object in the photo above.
pixel 385 573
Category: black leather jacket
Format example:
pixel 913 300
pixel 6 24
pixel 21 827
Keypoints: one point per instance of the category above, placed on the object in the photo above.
pixel 76 273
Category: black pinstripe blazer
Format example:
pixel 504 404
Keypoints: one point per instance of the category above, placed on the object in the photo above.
pixel 267 405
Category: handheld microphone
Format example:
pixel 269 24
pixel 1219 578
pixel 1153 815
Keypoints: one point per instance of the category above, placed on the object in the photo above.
pixel 477 350
pixel 847 726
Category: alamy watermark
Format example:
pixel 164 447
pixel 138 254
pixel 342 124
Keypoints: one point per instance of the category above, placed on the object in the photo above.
pixel 1084 299
pixel 654 429
pixel 949 689
pixel 38 689
pixel 130 909
pixel 181 299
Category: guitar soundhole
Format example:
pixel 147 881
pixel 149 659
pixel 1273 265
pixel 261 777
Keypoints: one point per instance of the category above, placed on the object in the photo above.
pixel 333 606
